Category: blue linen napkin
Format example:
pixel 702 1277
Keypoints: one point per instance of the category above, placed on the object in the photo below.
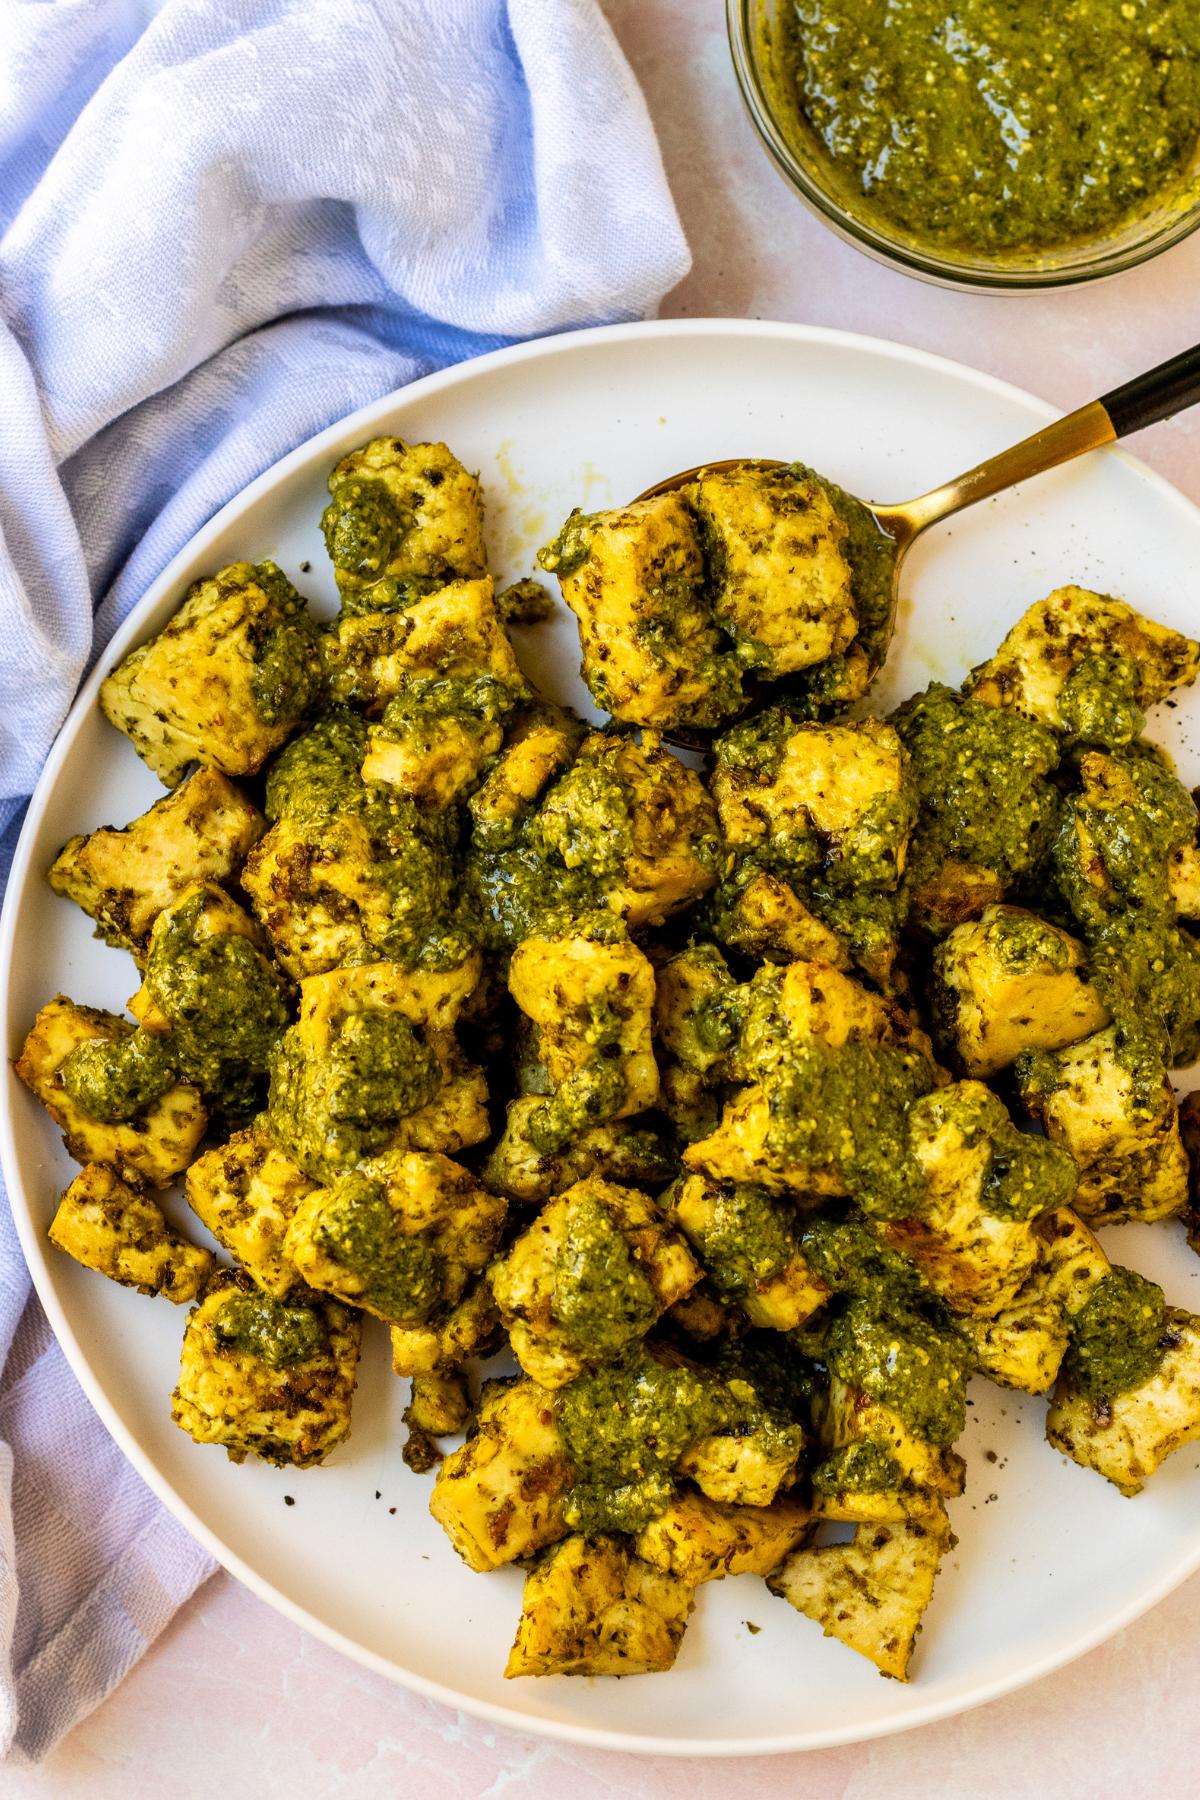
pixel 223 225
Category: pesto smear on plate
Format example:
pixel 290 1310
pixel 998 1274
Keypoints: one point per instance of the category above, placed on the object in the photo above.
pixel 996 125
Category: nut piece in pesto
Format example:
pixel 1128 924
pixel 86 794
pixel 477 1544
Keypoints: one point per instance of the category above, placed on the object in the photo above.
pixel 151 1149
pixel 202 832
pixel 268 1378
pixel 226 681
pixel 588 1277
pixel 401 1237
pixel 1011 982
pixel 402 520
pixel 1087 665
pixel 591 1005
pixel 1108 1101
pixel 107 1226
pixel 592 1607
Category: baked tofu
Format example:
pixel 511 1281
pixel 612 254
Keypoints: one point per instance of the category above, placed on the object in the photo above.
pixel 621 1151
pixel 246 1191
pixel 1119 1120
pixel 634 578
pixel 434 751
pixel 1041 667
pixel 500 1497
pixel 744 1238
pixel 472 1328
pixel 870 1594
pixel 538 747
pixel 401 1237
pixel 403 520
pixel 1010 982
pixel 109 1227
pixel 782 585
pixel 589 1276
pixel 591 1607
pixel 226 681
pixel 150 1150
pixel 761 916
pixel 123 879
pixel 639 821
pixel 699 1540
pixel 320 894
pixel 1125 1438
pixel 829 797
pixel 266 1378
pixel 591 1005
pixel 452 634
pixel 747 1467
pixel 373 1065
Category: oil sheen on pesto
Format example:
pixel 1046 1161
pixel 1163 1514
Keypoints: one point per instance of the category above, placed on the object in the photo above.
pixel 993 126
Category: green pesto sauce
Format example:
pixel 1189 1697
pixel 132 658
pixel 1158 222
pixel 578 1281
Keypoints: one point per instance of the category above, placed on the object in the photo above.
pixel 849 1258
pixel 871 555
pixel 525 602
pixel 591 1095
pixel 116 1079
pixel 982 788
pixel 603 1298
pixel 905 1362
pixel 334 1110
pixel 1117 1337
pixel 747 1240
pixel 847 1109
pixel 865 1467
pixel 1024 1174
pixel 784 1379
pixel 365 528
pixel 1023 942
pixel 315 783
pixel 475 699
pixel 361 1232
pixel 626 1427
pixel 280 1333
pixel 996 125
pixel 1130 838
pixel 566 554
pixel 227 1006
pixel 288 677
pixel 1148 972
pixel 1099 702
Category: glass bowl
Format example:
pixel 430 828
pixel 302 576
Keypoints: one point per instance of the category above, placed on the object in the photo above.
pixel 833 196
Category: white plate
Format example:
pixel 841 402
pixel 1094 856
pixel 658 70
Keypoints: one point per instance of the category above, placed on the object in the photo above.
pixel 1050 1560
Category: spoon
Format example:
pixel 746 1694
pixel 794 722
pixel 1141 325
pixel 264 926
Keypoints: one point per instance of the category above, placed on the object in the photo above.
pixel 1147 399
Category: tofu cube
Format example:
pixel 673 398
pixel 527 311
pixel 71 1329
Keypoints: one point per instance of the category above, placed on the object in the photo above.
pixel 591 1004
pixel 1126 1438
pixel 870 1594
pixel 699 1540
pixel 107 1226
pixel 1032 672
pixel 246 1191
pixel 1120 1122
pixel 123 879
pixel 782 582
pixel 634 578
pixel 593 1608
pixel 452 634
pixel 400 1237
pixel 590 1275
pixel 499 1498
pixel 744 1239
pixel 150 1150
pixel 639 821
pixel 403 520
pixel 472 1328
pixel 268 1378
pixel 1010 982
pixel 226 681
pixel 620 1151
pixel 539 746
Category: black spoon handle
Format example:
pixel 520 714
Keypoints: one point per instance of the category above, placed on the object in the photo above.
pixel 1158 394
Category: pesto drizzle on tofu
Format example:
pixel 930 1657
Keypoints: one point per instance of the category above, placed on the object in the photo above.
pixel 280 1333
pixel 1117 1336
pixel 604 1297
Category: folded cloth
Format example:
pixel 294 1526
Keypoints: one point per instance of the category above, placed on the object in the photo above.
pixel 224 224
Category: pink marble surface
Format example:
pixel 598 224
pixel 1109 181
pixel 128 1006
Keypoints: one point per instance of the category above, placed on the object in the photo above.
pixel 234 1700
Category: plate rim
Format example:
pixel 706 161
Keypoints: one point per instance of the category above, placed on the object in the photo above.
pixel 315 448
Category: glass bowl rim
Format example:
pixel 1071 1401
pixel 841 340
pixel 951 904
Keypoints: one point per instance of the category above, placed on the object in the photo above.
pixel 942 269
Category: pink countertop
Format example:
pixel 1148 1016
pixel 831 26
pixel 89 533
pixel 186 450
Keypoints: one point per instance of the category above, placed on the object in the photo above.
pixel 234 1700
